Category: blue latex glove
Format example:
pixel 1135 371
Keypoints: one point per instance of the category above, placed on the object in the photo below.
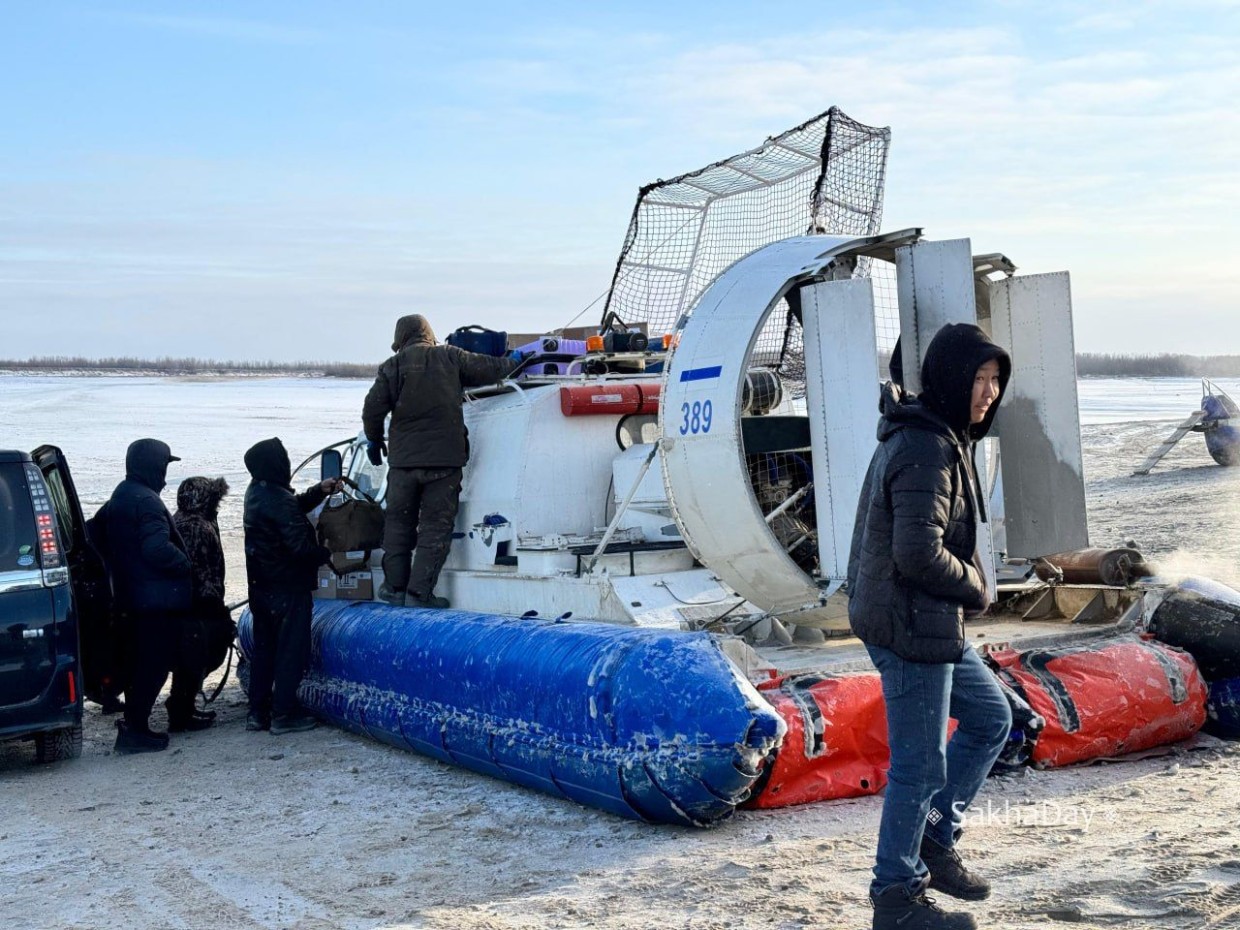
pixel 375 451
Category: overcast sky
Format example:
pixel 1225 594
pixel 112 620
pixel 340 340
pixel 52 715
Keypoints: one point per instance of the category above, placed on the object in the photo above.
pixel 280 180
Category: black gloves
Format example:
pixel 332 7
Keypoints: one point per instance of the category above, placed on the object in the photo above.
pixel 375 451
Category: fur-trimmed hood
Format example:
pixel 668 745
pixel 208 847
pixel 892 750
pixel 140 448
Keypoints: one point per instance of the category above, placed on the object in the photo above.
pixel 200 497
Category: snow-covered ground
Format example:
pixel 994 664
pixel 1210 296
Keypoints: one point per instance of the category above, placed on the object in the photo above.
pixel 326 829
pixel 229 829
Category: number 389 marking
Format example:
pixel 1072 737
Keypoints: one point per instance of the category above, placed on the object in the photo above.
pixel 696 417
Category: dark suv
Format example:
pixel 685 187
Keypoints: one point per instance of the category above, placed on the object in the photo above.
pixel 54 603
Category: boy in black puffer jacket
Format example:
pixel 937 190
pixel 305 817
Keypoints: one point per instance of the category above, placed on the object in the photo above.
pixel 282 558
pixel 914 573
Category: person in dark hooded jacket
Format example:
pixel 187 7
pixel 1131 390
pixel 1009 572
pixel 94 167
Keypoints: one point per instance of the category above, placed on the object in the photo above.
pixel 914 574
pixel 282 558
pixel 208 628
pixel 151 584
pixel 428 445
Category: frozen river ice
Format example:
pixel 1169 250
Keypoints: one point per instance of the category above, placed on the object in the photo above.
pixel 327 829
pixel 208 421
pixel 1186 513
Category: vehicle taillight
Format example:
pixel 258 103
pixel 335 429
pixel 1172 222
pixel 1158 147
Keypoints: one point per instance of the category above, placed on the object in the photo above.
pixel 51 558
pixel 49 548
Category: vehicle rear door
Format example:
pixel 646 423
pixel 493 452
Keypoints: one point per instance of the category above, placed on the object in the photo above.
pixel 92 591
pixel 27 606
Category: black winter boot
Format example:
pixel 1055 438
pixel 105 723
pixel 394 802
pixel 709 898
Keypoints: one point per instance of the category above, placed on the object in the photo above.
pixel 187 719
pixel 111 704
pixel 129 740
pixel 896 909
pixel 949 875
pixel 430 601
pixel 178 723
pixel 292 723
pixel 388 596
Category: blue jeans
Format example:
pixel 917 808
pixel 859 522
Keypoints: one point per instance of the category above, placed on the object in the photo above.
pixel 932 781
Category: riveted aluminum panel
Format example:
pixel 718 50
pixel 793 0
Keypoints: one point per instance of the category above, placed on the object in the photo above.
pixel 841 385
pixel 934 284
pixel 1039 423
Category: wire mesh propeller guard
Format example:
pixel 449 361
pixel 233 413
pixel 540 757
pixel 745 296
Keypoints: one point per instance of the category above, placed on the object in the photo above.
pixel 825 176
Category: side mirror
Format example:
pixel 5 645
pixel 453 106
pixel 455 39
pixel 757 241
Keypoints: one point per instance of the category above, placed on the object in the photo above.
pixel 331 465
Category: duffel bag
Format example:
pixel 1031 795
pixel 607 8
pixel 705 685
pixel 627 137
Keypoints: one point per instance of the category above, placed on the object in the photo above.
pixel 355 525
pixel 479 339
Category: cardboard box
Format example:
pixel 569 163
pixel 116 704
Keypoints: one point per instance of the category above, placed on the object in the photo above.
pixel 326 588
pixel 355 586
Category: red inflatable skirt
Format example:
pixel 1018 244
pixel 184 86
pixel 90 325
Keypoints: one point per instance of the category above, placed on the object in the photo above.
pixel 836 746
pixel 1121 694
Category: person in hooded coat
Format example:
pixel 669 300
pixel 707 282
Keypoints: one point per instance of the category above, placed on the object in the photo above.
pixel 428 445
pixel 151 585
pixel 208 628
pixel 282 558
pixel 914 574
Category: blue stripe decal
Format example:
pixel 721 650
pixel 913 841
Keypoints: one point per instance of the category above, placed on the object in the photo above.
pixel 701 374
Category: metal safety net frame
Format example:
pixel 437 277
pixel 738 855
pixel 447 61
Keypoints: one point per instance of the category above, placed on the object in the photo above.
pixel 824 176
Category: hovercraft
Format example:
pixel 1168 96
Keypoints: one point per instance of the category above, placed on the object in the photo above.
pixel 677 489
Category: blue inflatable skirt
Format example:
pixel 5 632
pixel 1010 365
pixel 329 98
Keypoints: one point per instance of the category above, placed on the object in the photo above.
pixel 655 725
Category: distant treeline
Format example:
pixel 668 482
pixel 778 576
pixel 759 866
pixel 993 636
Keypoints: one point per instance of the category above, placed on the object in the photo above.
pixel 1158 366
pixel 1087 364
pixel 189 366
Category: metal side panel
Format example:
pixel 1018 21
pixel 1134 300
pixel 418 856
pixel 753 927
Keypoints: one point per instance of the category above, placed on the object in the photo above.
pixel 841 385
pixel 702 457
pixel 934 286
pixel 1039 424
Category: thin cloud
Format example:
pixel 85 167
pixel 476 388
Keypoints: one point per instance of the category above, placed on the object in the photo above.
pixel 238 30
pixel 1107 154
pixel 1102 22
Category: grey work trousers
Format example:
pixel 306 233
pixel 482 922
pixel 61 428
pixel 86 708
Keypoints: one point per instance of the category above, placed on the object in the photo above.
pixel 421 512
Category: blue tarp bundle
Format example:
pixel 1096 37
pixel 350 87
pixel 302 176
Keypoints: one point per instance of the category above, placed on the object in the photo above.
pixel 1223 708
pixel 651 724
